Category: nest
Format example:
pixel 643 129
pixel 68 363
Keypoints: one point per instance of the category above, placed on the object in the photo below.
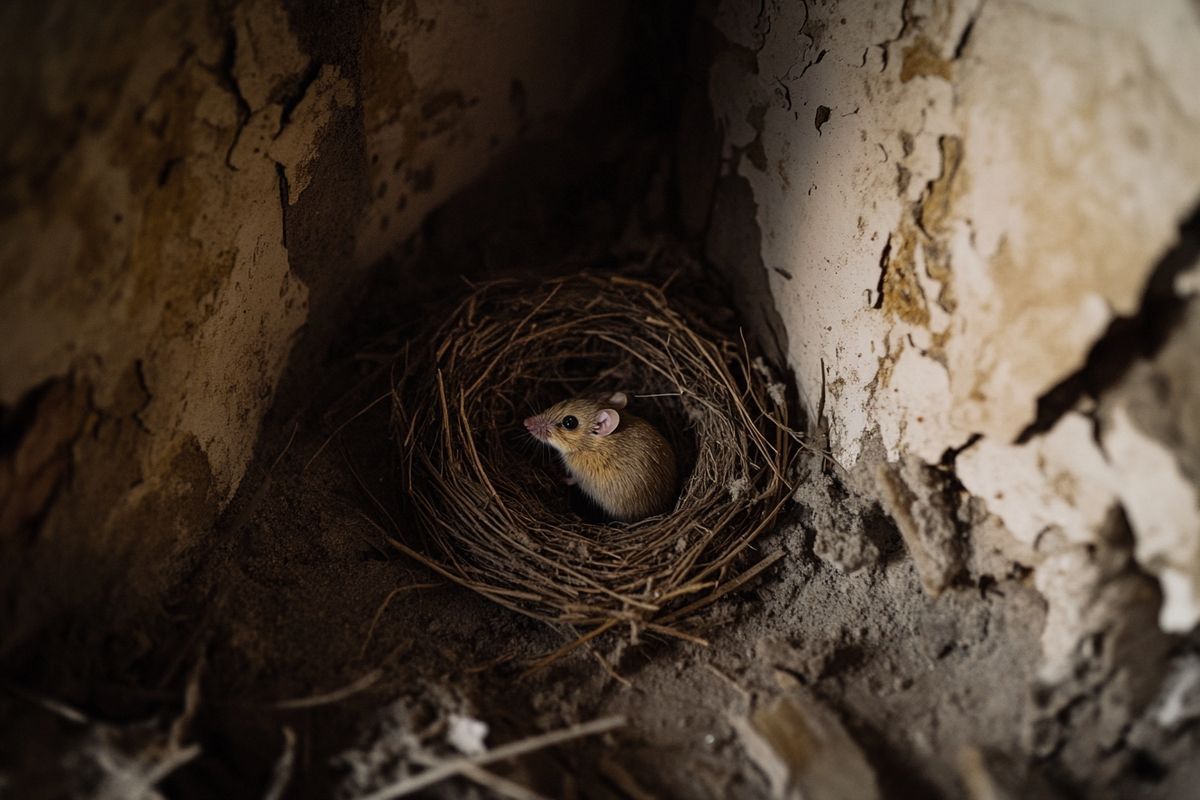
pixel 484 500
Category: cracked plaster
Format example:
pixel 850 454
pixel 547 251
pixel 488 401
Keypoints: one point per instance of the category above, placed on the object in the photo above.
pixel 144 223
pixel 993 184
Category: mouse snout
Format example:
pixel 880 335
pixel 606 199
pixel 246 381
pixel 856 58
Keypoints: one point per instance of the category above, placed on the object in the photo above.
pixel 537 426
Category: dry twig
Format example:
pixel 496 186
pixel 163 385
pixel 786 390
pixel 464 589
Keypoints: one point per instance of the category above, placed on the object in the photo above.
pixel 336 696
pixel 282 774
pixel 468 765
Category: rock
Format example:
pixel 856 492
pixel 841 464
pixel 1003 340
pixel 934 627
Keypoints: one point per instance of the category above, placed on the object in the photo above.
pixel 805 752
pixel 467 735
pixel 987 776
pixel 912 493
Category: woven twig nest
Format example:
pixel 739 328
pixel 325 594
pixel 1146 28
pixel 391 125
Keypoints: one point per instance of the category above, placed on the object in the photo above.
pixel 485 506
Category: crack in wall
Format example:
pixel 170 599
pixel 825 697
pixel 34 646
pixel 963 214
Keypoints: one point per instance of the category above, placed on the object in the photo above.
pixel 884 258
pixel 820 57
pixel 761 30
pixel 289 99
pixel 139 371
pixel 281 174
pixel 223 71
pixel 923 224
pixel 906 21
pixel 964 38
pixel 1127 339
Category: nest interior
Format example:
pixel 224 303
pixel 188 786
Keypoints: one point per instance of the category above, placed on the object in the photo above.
pixel 486 508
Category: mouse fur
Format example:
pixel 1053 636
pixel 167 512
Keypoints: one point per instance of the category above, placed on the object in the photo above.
pixel 620 461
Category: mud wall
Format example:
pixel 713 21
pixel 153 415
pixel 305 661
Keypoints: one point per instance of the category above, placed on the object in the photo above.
pixel 188 189
pixel 979 247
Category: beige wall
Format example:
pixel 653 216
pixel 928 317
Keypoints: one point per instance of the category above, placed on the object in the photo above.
pixel 954 201
pixel 182 193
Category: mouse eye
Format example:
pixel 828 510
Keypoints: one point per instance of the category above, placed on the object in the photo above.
pixel 570 423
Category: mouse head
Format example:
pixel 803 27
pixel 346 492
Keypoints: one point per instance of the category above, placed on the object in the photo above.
pixel 576 425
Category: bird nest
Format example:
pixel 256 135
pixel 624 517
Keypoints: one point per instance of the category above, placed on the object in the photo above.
pixel 486 507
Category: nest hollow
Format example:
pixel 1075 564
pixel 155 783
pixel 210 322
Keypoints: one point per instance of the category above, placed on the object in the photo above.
pixel 486 507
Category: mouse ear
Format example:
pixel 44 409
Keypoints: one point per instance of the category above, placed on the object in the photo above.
pixel 606 422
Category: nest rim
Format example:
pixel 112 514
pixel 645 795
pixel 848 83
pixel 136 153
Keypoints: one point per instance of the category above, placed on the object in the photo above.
pixel 481 522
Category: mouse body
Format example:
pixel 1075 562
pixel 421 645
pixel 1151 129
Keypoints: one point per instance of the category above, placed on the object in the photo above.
pixel 616 458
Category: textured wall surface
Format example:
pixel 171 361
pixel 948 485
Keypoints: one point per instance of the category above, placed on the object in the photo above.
pixel 186 187
pixel 969 216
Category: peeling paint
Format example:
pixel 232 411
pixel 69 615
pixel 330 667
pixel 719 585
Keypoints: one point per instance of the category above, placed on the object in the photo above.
pixel 922 60
pixel 1001 198
pixel 902 293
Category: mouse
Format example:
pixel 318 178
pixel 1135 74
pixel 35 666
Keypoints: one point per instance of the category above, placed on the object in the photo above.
pixel 617 459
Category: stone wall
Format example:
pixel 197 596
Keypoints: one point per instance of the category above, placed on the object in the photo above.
pixel 189 188
pixel 976 225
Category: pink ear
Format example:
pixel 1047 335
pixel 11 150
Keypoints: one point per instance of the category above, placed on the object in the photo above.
pixel 606 422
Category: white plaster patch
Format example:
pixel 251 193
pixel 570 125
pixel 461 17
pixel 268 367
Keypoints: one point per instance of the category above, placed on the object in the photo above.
pixel 1068 580
pixel 1058 480
pixel 922 385
pixel 999 351
pixel 1079 167
pixel 1077 125
pixel 1164 512
pixel 827 199
pixel 1075 170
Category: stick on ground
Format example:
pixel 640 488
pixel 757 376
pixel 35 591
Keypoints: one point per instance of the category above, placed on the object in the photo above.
pixel 449 769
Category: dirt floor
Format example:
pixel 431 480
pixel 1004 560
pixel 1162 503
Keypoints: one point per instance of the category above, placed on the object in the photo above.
pixel 304 599
pixel 304 658
pixel 302 626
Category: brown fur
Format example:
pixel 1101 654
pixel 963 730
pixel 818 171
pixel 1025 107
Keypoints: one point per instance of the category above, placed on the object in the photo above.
pixel 630 473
